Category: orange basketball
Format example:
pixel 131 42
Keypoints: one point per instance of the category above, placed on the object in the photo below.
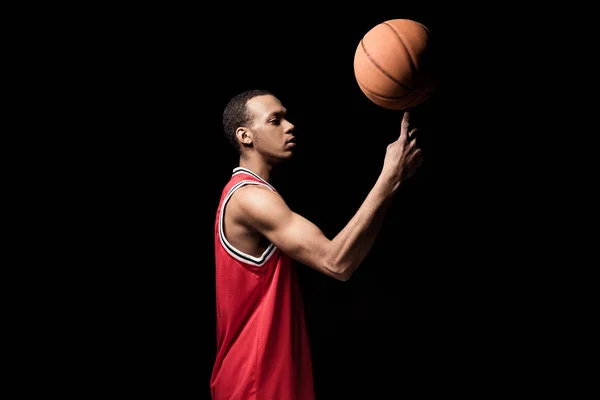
pixel 390 64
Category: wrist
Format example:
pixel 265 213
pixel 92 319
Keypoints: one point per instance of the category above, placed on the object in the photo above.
pixel 386 186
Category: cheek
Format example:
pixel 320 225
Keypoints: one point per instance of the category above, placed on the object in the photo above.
pixel 266 141
pixel 269 141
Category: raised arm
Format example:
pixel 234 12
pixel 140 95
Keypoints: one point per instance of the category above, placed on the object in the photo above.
pixel 267 212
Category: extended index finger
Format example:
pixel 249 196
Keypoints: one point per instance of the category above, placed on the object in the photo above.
pixel 404 125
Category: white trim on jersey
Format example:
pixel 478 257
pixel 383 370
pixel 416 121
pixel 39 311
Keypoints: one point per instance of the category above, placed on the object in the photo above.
pixel 235 253
pixel 242 170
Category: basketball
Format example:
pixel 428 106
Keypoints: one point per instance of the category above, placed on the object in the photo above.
pixel 391 64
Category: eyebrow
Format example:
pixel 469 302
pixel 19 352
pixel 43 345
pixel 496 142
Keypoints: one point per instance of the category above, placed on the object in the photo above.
pixel 278 113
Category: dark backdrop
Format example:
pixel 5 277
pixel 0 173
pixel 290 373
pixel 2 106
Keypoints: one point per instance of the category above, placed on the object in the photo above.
pixel 427 308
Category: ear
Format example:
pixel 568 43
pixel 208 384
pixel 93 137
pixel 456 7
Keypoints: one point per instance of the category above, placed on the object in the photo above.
pixel 244 135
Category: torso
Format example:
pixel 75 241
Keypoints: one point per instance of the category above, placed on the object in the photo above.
pixel 263 347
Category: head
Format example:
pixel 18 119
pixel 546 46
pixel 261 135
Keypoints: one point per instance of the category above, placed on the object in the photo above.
pixel 255 124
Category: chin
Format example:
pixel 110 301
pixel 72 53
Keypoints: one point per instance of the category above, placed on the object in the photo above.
pixel 281 158
pixel 288 155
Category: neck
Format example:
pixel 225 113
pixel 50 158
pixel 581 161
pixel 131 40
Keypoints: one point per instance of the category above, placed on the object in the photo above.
pixel 259 167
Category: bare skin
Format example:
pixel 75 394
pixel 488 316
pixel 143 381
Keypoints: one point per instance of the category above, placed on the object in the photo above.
pixel 255 215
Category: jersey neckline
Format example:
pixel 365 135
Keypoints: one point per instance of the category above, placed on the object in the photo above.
pixel 240 170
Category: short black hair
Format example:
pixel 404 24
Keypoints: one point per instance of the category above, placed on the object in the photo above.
pixel 236 114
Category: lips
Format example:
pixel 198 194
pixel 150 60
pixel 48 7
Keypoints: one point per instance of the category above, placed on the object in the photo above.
pixel 291 142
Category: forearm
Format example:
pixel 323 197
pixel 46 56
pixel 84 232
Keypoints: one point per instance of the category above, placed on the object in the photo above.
pixel 354 241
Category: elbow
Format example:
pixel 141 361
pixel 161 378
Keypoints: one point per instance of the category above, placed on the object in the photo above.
pixel 344 276
pixel 338 272
pixel 341 276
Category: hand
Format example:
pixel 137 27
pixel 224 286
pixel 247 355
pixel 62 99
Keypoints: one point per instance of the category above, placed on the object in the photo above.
pixel 402 157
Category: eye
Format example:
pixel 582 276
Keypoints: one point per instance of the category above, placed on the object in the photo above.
pixel 274 121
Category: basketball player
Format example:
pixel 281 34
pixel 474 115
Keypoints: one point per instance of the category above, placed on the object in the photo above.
pixel 263 350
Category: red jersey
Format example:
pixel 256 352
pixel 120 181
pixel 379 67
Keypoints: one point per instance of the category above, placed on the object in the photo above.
pixel 263 347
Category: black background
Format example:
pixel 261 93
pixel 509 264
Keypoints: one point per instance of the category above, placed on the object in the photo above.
pixel 441 304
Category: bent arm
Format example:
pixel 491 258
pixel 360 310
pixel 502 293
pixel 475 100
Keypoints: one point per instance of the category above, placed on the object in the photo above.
pixel 267 212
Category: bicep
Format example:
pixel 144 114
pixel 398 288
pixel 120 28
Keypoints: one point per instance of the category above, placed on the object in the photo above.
pixel 292 233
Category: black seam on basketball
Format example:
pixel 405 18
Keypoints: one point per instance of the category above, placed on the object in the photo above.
pixel 426 29
pixel 384 97
pixel 413 67
pixel 410 103
pixel 362 44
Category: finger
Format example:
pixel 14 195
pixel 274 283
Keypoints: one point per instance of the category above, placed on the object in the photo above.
pixel 412 132
pixel 404 125
pixel 411 144
pixel 414 155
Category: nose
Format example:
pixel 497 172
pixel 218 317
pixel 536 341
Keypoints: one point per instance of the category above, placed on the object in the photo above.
pixel 290 127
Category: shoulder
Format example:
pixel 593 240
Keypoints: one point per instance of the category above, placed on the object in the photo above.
pixel 250 196
pixel 257 202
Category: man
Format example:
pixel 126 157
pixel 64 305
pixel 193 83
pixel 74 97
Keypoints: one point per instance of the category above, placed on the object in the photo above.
pixel 263 350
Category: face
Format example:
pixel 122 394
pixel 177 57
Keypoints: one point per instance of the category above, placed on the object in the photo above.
pixel 271 133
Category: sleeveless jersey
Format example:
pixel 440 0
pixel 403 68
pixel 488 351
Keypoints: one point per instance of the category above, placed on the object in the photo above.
pixel 263 349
